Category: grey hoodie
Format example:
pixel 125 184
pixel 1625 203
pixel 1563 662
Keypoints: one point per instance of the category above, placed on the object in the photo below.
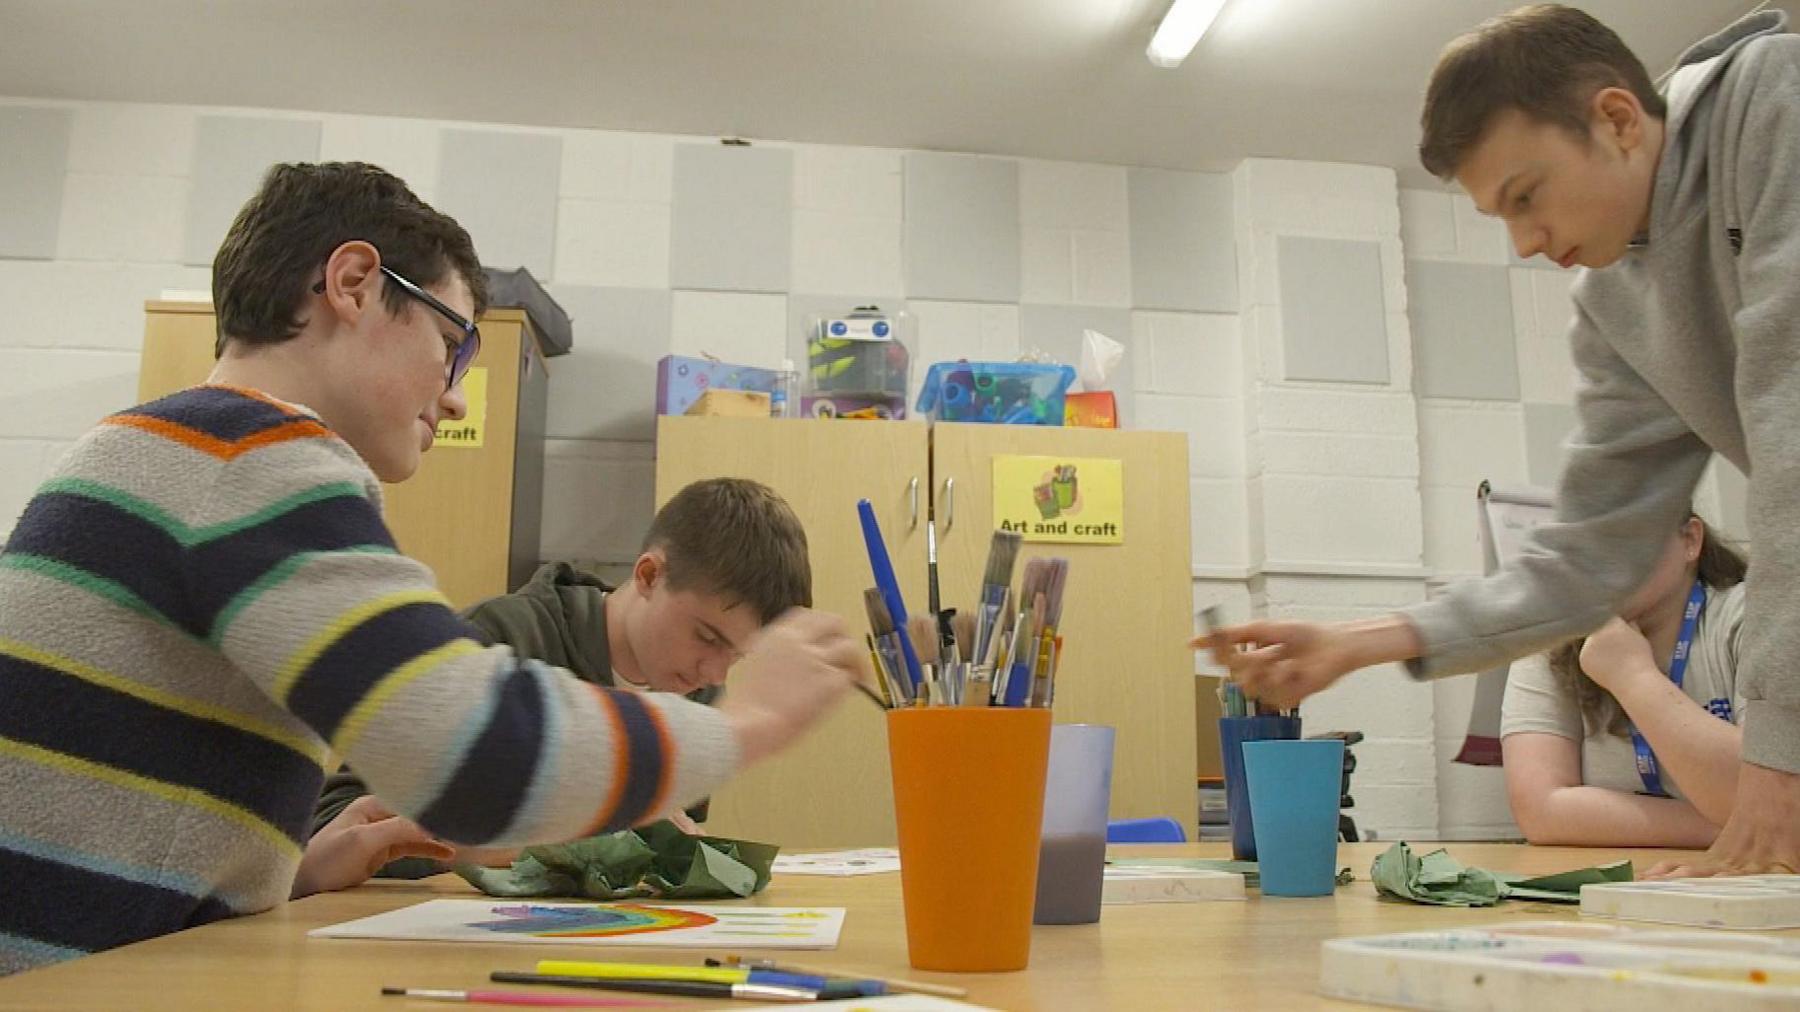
pixel 1689 344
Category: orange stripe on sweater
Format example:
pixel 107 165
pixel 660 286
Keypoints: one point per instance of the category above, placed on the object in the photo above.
pixel 299 428
pixel 621 760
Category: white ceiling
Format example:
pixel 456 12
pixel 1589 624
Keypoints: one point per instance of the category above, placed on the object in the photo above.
pixel 1327 80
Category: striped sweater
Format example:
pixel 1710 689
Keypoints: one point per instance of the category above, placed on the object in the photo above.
pixel 197 612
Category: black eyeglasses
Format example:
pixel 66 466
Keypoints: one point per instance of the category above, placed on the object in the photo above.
pixel 458 356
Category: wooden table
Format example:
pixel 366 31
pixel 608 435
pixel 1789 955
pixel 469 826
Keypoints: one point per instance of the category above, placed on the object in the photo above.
pixel 1263 953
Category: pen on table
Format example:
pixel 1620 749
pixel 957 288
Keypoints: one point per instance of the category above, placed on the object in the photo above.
pixel 681 988
pixel 670 971
pixel 893 983
pixel 528 998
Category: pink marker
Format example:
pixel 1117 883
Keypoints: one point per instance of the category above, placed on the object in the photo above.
pixel 518 998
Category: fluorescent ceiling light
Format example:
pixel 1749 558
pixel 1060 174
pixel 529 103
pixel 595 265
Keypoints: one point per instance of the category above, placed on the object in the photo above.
pixel 1180 30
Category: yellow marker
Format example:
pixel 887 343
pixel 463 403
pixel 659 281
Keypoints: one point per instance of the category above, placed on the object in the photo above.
pixel 643 971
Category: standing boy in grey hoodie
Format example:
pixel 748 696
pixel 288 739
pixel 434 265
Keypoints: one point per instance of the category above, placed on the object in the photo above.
pixel 1684 207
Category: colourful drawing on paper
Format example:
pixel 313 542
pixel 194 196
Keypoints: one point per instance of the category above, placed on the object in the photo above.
pixel 646 924
pixel 592 921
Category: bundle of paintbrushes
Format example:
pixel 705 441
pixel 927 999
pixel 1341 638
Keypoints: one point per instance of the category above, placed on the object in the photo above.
pixel 1002 652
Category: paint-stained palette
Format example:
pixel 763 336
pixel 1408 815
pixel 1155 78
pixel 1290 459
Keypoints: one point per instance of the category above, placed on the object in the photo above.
pixel 1563 964
pixel 601 924
pixel 1749 902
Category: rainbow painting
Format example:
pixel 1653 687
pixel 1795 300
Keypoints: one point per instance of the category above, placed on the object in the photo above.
pixel 638 924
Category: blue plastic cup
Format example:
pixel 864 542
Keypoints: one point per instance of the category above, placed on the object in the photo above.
pixel 1233 731
pixel 1294 794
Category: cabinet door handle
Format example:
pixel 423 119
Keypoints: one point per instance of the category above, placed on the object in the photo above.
pixel 949 504
pixel 912 495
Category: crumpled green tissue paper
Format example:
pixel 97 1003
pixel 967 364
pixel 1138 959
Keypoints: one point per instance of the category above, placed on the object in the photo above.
pixel 657 861
pixel 1441 880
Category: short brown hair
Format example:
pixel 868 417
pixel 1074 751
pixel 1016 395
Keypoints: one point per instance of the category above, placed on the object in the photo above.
pixel 299 216
pixel 1719 566
pixel 738 539
pixel 1545 60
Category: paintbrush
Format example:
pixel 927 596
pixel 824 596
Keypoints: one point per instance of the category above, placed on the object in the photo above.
pixel 1003 552
pixel 920 630
pixel 887 644
pixel 963 627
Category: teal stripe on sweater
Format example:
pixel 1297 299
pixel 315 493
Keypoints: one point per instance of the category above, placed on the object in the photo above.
pixel 81 579
pixel 184 534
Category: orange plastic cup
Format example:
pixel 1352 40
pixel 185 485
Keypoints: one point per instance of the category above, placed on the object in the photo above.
pixel 969 802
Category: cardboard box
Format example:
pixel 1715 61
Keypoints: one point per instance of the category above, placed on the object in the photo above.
pixel 731 404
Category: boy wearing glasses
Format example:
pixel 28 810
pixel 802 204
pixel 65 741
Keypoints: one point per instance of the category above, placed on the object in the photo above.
pixel 724 557
pixel 203 607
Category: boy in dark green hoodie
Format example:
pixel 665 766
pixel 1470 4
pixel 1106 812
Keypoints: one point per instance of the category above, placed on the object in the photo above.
pixel 1682 203
pixel 723 557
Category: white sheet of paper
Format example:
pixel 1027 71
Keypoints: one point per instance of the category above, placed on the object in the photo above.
pixel 840 863
pixel 685 926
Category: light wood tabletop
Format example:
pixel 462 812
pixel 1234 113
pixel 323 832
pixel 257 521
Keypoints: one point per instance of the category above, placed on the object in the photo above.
pixel 1260 953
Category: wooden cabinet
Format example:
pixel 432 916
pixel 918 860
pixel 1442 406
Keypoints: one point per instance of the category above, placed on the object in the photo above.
pixel 471 513
pixel 1126 616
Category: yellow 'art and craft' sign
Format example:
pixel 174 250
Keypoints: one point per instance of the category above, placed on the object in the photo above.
pixel 1074 500
pixel 470 431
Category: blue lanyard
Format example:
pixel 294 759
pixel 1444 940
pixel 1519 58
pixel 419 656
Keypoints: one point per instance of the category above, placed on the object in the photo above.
pixel 1646 759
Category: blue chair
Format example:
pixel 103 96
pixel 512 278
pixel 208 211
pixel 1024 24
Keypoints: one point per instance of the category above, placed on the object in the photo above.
pixel 1161 829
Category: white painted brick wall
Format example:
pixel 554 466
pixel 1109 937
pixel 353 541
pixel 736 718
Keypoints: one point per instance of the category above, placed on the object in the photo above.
pixel 1074 234
pixel 1318 409
pixel 746 328
pixel 1342 520
pixel 60 394
pixel 1461 443
pixel 1214 426
pixel 1233 599
pixel 1102 268
pixel 612 243
pixel 599 499
pixel 1542 312
pixel 627 167
pixel 839 252
pixel 860 181
pixel 116 217
pixel 1194 353
pixel 1479 238
pixel 1046 265
pixel 1339 454
pixel 1218 511
pixel 406 147
pixel 1428 224
pixel 58 304
pixel 1441 225
pixel 1451 545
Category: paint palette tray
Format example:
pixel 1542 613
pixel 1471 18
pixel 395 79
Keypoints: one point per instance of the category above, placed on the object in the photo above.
pixel 1128 883
pixel 1746 902
pixel 1564 964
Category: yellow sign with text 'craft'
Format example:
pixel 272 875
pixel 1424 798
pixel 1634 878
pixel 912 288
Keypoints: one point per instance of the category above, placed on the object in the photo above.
pixel 472 429
pixel 1073 500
